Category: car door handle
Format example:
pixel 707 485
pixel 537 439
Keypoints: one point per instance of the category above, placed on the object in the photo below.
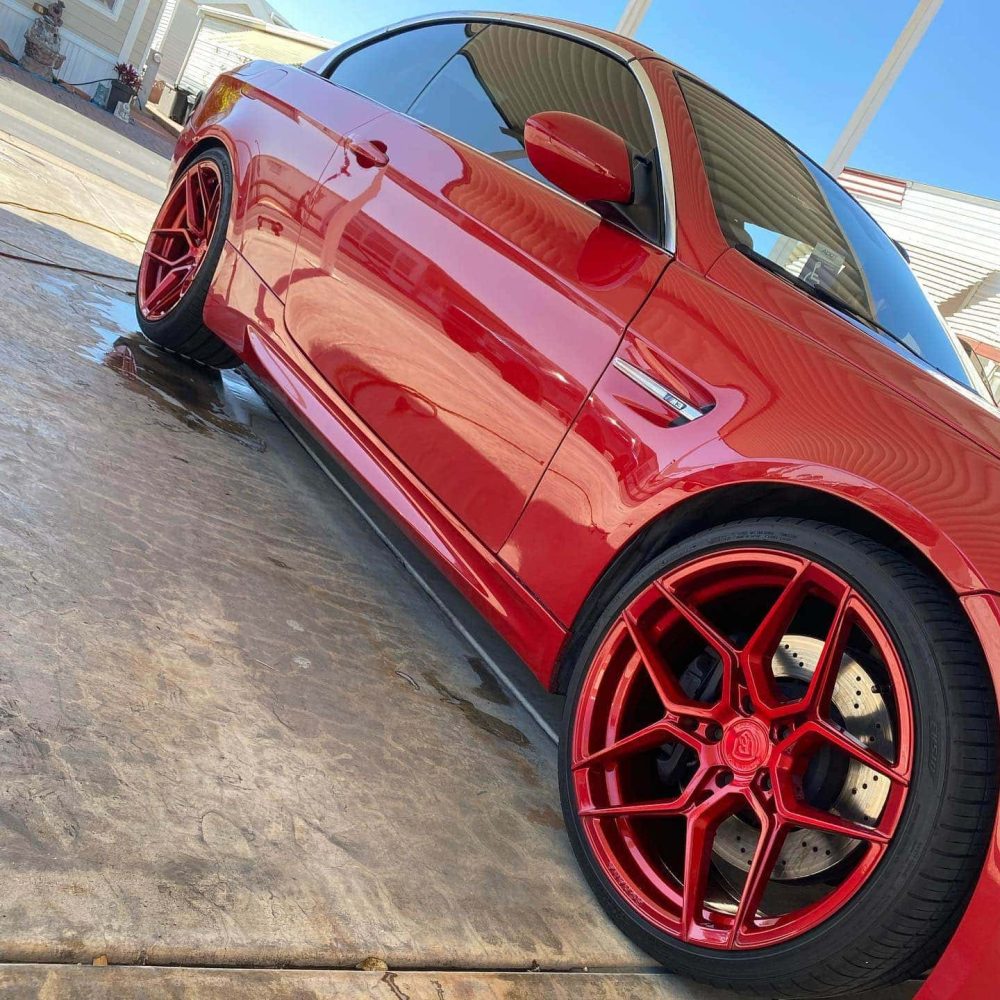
pixel 369 152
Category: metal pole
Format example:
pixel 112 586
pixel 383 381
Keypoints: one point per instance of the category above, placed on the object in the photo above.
pixel 632 15
pixel 908 40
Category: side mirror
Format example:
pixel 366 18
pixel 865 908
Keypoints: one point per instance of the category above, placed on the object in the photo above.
pixel 586 160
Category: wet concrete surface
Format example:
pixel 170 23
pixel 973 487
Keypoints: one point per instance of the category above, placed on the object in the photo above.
pixel 233 730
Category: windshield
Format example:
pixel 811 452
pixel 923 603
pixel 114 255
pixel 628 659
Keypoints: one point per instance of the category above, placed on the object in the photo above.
pixel 775 205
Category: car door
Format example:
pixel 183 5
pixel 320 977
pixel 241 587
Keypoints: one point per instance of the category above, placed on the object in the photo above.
pixel 455 300
pixel 293 120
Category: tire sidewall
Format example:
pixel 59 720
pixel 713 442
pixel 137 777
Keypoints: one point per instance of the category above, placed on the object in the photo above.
pixel 858 918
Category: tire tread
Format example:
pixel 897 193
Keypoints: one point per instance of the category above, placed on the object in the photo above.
pixel 918 922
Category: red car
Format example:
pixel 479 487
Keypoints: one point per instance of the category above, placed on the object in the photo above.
pixel 673 412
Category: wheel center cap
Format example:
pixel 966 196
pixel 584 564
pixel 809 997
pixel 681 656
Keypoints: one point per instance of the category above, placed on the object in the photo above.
pixel 746 745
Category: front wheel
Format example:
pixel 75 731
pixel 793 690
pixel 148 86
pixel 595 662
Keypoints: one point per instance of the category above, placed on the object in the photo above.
pixel 772 740
pixel 180 259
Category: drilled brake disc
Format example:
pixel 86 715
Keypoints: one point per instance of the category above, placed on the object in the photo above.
pixel 861 795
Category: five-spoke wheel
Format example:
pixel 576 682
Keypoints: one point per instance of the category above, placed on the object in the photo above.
pixel 689 717
pixel 179 263
pixel 743 746
pixel 179 239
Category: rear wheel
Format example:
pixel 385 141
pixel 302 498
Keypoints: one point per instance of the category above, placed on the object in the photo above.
pixel 179 262
pixel 777 762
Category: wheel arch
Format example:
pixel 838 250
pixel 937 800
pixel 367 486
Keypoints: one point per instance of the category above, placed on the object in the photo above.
pixel 718 505
pixel 203 144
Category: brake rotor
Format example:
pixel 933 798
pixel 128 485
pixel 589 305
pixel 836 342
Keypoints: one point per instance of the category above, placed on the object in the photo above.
pixel 864 715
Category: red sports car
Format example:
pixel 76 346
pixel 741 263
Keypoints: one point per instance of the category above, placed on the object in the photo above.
pixel 673 412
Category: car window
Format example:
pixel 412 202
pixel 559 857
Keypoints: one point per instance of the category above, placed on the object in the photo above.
pixel 394 70
pixel 779 208
pixel 504 75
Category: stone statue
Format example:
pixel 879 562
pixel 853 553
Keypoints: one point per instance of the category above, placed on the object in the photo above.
pixel 41 42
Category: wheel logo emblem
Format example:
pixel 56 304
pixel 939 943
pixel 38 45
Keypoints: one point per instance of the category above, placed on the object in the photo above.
pixel 745 745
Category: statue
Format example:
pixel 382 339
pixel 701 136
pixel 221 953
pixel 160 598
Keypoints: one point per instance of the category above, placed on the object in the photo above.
pixel 41 42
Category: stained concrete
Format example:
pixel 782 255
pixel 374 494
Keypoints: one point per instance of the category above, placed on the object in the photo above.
pixel 233 730
pixel 48 982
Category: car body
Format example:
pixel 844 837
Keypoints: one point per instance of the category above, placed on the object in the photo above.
pixel 540 394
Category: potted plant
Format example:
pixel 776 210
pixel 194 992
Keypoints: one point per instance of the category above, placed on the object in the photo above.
pixel 125 87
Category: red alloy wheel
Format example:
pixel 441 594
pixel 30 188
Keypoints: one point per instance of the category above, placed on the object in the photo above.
pixel 180 239
pixel 743 748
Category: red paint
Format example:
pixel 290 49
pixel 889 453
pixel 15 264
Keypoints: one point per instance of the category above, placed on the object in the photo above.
pixel 179 240
pixel 447 325
pixel 255 329
pixel 463 310
pixel 750 746
pixel 586 160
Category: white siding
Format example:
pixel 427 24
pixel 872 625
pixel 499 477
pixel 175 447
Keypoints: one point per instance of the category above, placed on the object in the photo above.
pixel 954 244
pixel 210 55
pixel 141 46
pixel 156 42
pixel 221 44
pixel 84 60
pixel 180 34
pixel 178 39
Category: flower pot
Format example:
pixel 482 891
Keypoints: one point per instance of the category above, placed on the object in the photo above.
pixel 119 92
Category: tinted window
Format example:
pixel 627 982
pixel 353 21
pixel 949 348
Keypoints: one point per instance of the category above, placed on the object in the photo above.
pixel 394 70
pixel 484 95
pixel 777 207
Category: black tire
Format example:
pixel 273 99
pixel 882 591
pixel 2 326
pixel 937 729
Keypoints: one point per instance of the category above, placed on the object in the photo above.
pixel 182 330
pixel 901 919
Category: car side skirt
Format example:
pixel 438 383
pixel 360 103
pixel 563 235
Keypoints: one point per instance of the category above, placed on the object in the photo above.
pixel 244 313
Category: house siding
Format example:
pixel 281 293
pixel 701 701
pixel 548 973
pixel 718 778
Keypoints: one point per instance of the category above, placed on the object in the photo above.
pixel 180 34
pixel 953 240
pixel 88 56
pixel 178 39
pixel 220 45
pixel 139 49
pixel 106 31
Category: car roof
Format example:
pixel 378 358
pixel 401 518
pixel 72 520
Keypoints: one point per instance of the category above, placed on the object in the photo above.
pixel 630 45
pixel 625 48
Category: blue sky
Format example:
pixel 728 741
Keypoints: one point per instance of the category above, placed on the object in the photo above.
pixel 802 68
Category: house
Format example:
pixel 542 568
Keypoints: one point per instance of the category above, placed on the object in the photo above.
pixel 95 35
pixel 953 241
pixel 179 22
pixel 225 38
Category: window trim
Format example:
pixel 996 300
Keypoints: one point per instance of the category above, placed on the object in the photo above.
pixel 894 345
pixel 113 12
pixel 324 65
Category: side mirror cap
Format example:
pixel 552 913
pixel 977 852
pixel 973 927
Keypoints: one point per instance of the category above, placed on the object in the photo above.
pixel 586 160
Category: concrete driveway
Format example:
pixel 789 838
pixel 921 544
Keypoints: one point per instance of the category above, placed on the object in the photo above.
pixel 50 119
pixel 235 732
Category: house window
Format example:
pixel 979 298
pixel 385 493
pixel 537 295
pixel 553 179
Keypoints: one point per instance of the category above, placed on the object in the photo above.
pixel 112 8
